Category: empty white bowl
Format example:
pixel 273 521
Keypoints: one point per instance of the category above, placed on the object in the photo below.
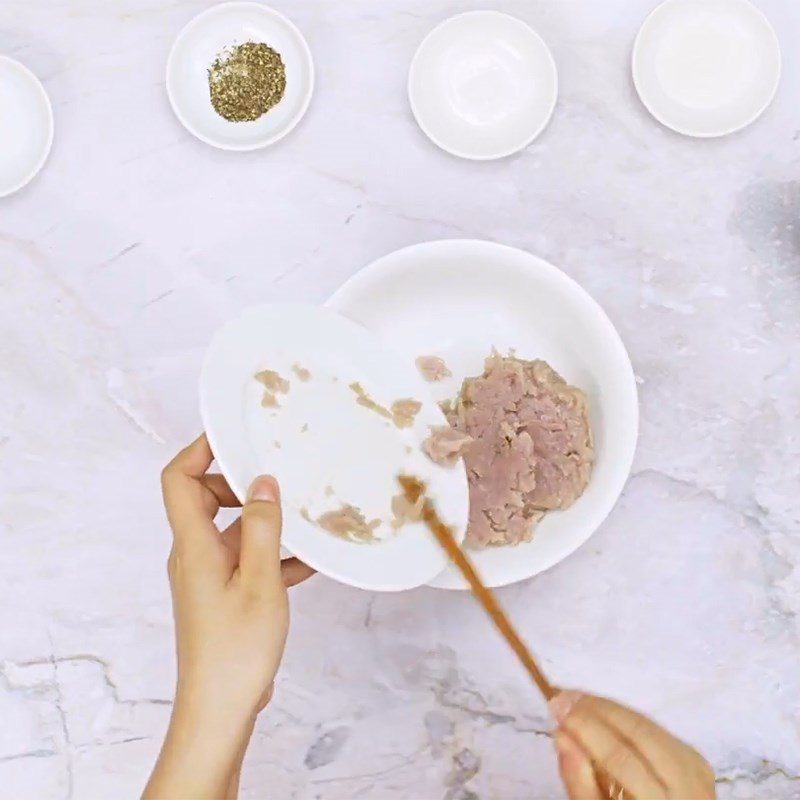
pixel 197 47
pixel 706 67
pixel 26 125
pixel 459 299
pixel 482 85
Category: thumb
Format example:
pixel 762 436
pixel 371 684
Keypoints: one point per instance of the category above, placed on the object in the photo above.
pixel 260 555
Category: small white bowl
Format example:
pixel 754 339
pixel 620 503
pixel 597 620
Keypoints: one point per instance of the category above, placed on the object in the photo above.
pixel 26 125
pixel 197 47
pixel 706 68
pixel 320 437
pixel 459 299
pixel 482 85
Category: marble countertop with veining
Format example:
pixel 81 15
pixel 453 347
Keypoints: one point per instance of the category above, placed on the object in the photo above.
pixel 136 241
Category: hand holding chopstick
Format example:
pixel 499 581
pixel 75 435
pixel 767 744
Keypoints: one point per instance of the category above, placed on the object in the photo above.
pixel 646 761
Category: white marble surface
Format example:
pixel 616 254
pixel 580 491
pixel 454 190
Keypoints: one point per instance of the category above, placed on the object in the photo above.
pixel 136 241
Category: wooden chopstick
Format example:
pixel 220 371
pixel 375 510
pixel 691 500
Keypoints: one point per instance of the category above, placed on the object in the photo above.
pixel 414 489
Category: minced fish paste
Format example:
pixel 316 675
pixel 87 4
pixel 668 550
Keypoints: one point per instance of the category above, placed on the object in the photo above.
pixel 524 435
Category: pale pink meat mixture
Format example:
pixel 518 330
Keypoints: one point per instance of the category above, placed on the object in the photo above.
pixel 446 445
pixel 348 522
pixel 404 512
pixel 432 368
pixel 405 411
pixel 531 451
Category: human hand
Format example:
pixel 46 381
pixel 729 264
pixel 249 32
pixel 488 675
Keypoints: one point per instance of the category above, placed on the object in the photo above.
pixel 231 620
pixel 228 590
pixel 645 761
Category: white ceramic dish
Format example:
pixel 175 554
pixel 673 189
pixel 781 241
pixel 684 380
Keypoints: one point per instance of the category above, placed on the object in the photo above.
pixel 458 299
pixel 320 437
pixel 211 33
pixel 706 67
pixel 26 126
pixel 482 85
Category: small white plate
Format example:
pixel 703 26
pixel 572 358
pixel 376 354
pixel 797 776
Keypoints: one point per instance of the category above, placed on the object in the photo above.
pixel 482 85
pixel 197 47
pixel 320 437
pixel 458 299
pixel 26 125
pixel 706 67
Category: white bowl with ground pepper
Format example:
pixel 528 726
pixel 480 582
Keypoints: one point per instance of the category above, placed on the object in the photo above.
pixel 240 76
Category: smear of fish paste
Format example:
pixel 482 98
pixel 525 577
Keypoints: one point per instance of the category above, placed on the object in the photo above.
pixel 274 384
pixel 405 512
pixel 272 381
pixel 363 399
pixel 269 400
pixel 402 412
pixel 301 372
pixel 446 445
pixel 348 522
pixel 433 368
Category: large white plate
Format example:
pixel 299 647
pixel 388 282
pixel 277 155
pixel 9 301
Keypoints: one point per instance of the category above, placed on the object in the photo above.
pixel 196 48
pixel 706 67
pixel 458 299
pixel 482 85
pixel 321 437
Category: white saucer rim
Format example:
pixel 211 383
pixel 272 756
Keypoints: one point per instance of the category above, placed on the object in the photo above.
pixel 722 131
pixel 44 155
pixel 453 151
pixel 301 112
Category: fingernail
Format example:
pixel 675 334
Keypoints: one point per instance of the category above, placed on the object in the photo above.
pixel 563 703
pixel 264 488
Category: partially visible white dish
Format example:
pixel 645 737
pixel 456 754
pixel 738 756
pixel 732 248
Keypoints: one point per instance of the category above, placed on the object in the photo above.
pixel 324 448
pixel 198 45
pixel 26 126
pixel 458 299
pixel 482 85
pixel 706 68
